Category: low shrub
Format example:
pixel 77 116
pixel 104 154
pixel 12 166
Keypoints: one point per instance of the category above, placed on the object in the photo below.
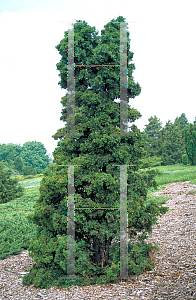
pixel 150 162
pixel 9 188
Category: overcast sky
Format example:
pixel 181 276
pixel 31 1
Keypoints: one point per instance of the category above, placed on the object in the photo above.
pixel 162 39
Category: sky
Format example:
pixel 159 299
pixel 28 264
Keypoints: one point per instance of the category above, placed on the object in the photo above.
pixel 162 37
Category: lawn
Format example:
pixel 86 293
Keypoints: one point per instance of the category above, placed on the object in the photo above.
pixel 16 230
pixel 31 182
pixel 176 173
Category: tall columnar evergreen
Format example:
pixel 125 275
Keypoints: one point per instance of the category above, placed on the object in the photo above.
pixel 153 131
pixel 181 122
pixel 96 180
pixel 173 146
pixel 190 143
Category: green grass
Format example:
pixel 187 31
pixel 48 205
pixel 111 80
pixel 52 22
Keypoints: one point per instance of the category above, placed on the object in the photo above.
pixel 175 173
pixel 192 192
pixel 175 168
pixel 16 231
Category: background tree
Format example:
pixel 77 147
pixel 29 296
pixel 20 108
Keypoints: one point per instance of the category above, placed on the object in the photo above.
pixel 173 146
pixel 149 161
pixel 9 152
pixel 34 155
pixel 190 143
pixel 28 170
pixel 181 122
pixel 153 131
pixel 9 188
pixel 28 159
pixel 97 182
pixel 18 164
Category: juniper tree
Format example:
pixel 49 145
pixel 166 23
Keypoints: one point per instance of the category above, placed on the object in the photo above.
pixel 94 151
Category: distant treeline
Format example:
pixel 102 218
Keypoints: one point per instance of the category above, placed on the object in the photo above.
pixel 29 159
pixel 172 144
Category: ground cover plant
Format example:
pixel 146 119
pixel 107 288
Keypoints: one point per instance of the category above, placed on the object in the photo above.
pixel 16 231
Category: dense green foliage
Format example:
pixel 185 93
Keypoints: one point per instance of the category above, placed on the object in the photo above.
pixel 164 145
pixel 34 154
pixel 173 146
pixel 190 143
pixel 16 231
pixel 8 153
pixel 18 164
pixel 181 122
pixel 185 159
pixel 9 188
pixel 97 182
pixel 150 162
pixel 29 159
